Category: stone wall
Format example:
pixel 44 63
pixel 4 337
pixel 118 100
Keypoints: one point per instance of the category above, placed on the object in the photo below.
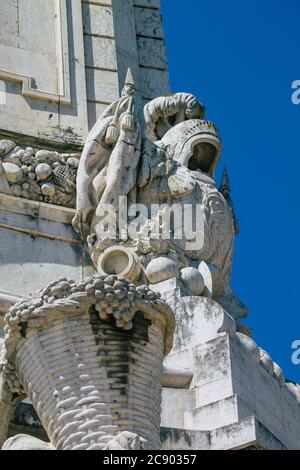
pixel 62 62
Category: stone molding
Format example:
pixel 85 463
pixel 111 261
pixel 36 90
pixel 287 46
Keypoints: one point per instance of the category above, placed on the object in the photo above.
pixel 63 95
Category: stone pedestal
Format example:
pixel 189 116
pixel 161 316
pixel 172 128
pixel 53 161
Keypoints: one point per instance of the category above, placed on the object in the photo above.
pixel 238 396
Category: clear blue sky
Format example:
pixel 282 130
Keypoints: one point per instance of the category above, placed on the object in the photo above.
pixel 240 58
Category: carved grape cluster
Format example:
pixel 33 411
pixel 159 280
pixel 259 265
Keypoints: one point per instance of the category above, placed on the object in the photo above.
pixel 112 296
pixel 116 296
pixel 22 311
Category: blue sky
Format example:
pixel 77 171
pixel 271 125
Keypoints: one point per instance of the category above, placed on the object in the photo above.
pixel 240 58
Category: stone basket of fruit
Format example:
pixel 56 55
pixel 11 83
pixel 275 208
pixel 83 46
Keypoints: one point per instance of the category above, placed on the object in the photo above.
pixel 89 356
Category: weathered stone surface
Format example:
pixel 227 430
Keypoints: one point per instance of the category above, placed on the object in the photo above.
pixel 245 434
pixel 175 403
pixel 100 53
pixel 99 2
pixel 154 82
pixel 148 22
pixel 31 29
pixel 102 85
pixel 38 244
pixel 97 20
pixel 152 53
pixel 42 76
pixel 198 320
pixel 139 330
pixel 39 175
pixel 24 442
pixel 221 390
pixel 230 386
pixel 147 3
pixel 94 110
pixel 9 23
pixel 122 165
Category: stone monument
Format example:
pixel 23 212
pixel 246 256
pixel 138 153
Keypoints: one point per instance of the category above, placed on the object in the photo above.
pixel 120 327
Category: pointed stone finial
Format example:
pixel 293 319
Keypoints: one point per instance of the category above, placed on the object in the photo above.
pixel 226 191
pixel 225 186
pixel 129 78
pixel 129 87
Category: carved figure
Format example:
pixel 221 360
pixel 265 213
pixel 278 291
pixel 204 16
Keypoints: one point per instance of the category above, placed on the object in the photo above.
pixel 173 164
pixel 108 166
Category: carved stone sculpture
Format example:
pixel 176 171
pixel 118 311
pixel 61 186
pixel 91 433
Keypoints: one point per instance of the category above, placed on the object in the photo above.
pixel 166 161
pixel 40 175
pixel 108 165
pixel 89 356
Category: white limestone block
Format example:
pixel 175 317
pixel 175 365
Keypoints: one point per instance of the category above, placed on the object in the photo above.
pixel 33 27
pixel 152 52
pixel 148 22
pixel 126 44
pixel 40 74
pixel 41 66
pixel 216 414
pixel 9 23
pixel 100 52
pixel 147 3
pixel 224 369
pixel 212 371
pixel 25 442
pixel 97 20
pixel 94 111
pixel 248 432
pixel 102 85
pixel 154 82
pixel 39 245
pixel 175 403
